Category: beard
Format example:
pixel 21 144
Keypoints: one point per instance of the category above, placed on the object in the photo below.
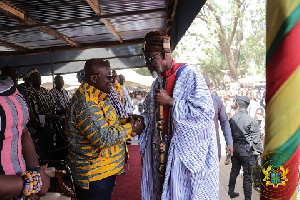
pixel 158 71
pixel 154 74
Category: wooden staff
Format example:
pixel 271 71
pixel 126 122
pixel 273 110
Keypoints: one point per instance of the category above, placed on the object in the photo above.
pixel 162 143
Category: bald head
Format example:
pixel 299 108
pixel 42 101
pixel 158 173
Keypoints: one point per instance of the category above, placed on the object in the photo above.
pixel 93 66
pixel 97 74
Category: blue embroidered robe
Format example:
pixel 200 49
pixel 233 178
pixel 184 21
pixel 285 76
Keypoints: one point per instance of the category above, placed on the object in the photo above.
pixel 192 166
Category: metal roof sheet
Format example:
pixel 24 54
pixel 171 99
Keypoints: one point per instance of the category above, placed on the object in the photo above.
pixel 65 33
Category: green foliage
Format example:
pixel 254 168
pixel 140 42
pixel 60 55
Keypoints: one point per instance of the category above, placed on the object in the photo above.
pixel 142 71
pixel 212 34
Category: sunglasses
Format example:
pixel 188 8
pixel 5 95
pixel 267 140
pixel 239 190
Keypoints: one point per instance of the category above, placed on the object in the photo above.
pixel 150 59
pixel 109 77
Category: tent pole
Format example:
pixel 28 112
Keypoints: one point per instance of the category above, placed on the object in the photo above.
pixel 52 68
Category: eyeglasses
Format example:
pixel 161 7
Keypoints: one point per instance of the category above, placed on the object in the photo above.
pixel 150 59
pixel 109 77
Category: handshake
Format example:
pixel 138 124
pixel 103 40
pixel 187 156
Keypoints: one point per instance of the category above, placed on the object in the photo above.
pixel 137 123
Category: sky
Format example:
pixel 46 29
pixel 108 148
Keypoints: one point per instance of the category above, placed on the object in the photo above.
pixel 130 75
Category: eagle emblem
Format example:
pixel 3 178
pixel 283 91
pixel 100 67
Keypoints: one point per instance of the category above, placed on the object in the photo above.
pixel 275 175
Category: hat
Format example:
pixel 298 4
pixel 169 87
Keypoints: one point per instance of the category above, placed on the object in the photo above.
pixel 157 41
pixel 243 101
pixel 32 71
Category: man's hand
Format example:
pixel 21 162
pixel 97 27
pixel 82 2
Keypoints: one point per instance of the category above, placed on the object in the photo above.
pixel 229 149
pixel 162 98
pixel 45 181
pixel 137 123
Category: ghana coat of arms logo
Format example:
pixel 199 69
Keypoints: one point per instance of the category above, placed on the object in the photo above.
pixel 275 175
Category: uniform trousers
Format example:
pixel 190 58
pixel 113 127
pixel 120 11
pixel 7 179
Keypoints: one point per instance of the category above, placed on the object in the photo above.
pixel 242 158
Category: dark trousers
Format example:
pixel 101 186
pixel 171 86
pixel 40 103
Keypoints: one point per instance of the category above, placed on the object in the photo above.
pixel 242 158
pixel 98 190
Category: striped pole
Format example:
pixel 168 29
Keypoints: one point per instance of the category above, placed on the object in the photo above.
pixel 283 101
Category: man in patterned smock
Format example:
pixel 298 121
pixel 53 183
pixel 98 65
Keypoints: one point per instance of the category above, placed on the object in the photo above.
pixel 96 134
pixel 192 166
pixel 40 102
pixel 60 96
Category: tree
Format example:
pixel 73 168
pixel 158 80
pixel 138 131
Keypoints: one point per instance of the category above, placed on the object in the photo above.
pixel 228 38
pixel 142 71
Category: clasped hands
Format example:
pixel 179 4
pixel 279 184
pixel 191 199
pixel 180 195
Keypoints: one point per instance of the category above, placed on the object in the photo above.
pixel 137 123
pixel 162 98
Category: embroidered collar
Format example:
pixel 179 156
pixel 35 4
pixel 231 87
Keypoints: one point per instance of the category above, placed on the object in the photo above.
pixel 96 92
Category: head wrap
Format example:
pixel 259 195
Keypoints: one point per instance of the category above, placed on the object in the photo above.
pixel 157 41
pixel 243 101
pixel 32 71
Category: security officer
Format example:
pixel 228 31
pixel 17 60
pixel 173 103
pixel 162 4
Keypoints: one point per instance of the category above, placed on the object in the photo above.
pixel 246 140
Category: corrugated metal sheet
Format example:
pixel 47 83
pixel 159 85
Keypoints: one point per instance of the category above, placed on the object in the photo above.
pixel 83 31
pixel 72 32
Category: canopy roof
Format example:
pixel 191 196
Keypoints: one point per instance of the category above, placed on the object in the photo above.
pixel 58 36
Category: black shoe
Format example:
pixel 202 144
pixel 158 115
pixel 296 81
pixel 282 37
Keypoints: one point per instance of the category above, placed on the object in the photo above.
pixel 233 194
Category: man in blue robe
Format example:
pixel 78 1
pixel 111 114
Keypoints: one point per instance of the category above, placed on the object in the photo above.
pixel 191 158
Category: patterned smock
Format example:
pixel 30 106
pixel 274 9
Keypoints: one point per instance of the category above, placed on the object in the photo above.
pixel 96 136
pixel 192 170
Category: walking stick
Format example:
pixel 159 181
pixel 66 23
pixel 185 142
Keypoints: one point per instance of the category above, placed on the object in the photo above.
pixel 162 143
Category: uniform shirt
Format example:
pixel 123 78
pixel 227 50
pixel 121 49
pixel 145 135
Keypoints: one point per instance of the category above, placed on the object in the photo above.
pixel 96 136
pixel 13 118
pixel 245 130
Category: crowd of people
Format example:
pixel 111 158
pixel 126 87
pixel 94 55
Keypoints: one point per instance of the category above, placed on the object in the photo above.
pixel 176 124
pixel 256 108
